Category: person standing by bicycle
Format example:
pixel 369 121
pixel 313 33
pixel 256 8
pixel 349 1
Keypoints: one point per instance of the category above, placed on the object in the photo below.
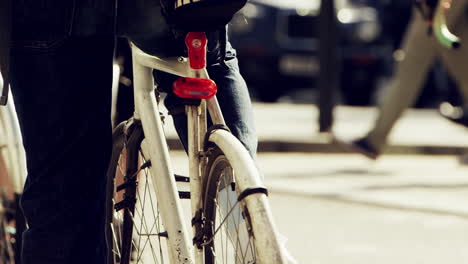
pixel 418 53
pixel 61 75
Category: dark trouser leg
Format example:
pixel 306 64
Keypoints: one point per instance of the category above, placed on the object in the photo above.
pixel 63 98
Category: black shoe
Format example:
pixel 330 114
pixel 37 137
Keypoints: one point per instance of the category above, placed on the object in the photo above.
pixel 361 146
pixel 458 115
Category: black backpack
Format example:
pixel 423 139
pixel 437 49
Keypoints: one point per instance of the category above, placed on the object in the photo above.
pixel 200 15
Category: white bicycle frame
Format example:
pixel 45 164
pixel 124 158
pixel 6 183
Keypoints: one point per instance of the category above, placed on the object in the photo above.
pixel 155 147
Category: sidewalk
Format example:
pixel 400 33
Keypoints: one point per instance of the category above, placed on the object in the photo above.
pixel 294 128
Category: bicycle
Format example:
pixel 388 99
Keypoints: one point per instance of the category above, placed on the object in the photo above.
pixel 12 177
pixel 231 218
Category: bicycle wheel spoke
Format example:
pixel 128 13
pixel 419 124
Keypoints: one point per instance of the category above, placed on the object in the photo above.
pixel 156 223
pixel 148 230
pixel 147 244
pixel 238 242
pixel 230 238
pixel 116 250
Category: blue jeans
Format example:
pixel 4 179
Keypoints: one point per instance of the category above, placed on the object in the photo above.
pixel 62 95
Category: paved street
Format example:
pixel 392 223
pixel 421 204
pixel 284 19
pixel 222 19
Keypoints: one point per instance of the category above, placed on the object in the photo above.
pixel 344 209
pixel 409 207
pixel 336 232
pixel 294 128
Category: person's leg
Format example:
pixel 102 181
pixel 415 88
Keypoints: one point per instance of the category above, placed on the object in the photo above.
pixel 234 100
pixel 419 54
pixel 62 97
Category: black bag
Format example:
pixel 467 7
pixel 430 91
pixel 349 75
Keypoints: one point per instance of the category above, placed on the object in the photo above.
pixel 200 15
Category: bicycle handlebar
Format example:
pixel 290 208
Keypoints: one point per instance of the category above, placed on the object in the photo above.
pixel 434 12
pixel 439 26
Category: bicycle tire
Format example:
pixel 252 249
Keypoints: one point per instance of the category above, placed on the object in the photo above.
pixel 20 227
pixel 221 179
pixel 12 225
pixel 12 171
pixel 133 235
pixel 7 233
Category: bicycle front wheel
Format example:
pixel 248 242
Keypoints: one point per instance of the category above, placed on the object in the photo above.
pixel 12 174
pixel 134 229
pixel 238 224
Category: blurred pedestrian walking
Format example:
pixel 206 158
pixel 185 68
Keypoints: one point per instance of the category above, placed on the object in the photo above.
pixel 418 53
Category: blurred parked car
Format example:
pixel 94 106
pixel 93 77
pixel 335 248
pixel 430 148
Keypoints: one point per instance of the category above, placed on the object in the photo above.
pixel 277 42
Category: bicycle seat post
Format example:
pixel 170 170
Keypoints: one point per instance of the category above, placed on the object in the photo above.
pixel 196 43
